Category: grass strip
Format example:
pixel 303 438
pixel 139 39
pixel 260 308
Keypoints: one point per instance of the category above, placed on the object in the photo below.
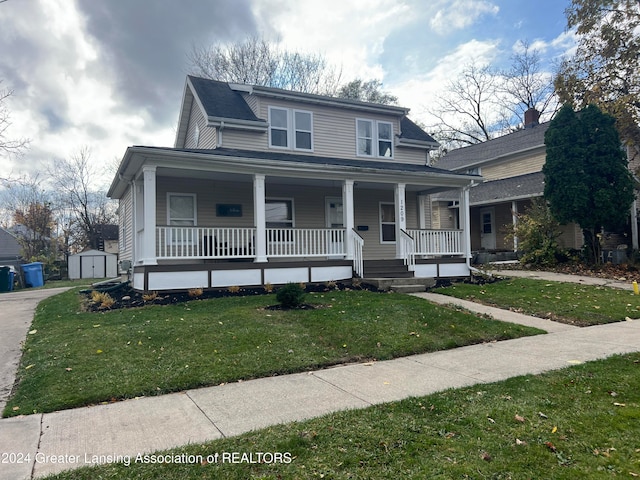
pixel 73 358
pixel 575 423
pixel 575 304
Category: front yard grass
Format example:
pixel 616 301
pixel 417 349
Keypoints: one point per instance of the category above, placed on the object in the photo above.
pixel 575 423
pixel 571 303
pixel 74 358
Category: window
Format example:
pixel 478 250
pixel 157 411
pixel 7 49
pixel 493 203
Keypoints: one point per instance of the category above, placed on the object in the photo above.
pixel 290 129
pixel 474 171
pixel 181 212
pixel 279 213
pixel 278 127
pixel 374 139
pixel 387 223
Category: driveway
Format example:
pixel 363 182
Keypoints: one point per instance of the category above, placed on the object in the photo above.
pixel 16 315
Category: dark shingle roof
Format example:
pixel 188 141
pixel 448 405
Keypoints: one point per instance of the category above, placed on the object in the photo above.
pixel 313 159
pixel 413 132
pixel 220 101
pixel 497 147
pixel 529 185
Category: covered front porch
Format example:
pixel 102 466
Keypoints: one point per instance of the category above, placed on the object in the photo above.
pixel 213 228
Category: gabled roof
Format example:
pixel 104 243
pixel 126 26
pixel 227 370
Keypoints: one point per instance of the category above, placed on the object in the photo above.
pixel 225 102
pixel 220 101
pixel 522 140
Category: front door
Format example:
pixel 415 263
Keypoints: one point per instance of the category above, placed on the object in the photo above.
pixel 334 219
pixel 487 229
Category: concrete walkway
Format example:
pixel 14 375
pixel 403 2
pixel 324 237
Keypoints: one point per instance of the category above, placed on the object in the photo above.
pixel 72 438
pixel 564 277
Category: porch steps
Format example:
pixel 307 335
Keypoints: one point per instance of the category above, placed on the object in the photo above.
pixel 386 269
pixel 401 285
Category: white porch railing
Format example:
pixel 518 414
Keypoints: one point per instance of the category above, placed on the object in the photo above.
pixel 305 242
pixel 358 258
pixel 437 242
pixel 205 242
pixel 407 244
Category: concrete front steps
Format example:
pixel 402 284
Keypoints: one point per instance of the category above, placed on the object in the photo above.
pixel 394 275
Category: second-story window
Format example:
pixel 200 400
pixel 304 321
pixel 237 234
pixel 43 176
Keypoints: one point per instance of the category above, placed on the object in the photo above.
pixel 290 128
pixel 374 139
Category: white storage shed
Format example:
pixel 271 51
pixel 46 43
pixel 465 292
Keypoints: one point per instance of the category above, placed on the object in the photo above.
pixel 93 264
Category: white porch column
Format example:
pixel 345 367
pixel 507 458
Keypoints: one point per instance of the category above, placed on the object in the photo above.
pixel 465 221
pixel 514 219
pixel 348 216
pixel 401 217
pixel 259 215
pixel 149 196
pixel 634 225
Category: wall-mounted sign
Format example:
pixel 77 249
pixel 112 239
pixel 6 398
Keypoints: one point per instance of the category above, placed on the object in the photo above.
pixel 228 210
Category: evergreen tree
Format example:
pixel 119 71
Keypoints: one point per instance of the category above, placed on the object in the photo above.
pixel 587 180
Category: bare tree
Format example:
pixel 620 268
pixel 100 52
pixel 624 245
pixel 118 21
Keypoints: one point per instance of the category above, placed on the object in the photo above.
pixel 366 91
pixel 8 146
pixel 256 61
pixel 465 111
pixel 524 86
pixel 85 207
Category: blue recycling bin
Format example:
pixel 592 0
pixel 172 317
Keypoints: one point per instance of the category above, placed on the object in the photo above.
pixel 33 275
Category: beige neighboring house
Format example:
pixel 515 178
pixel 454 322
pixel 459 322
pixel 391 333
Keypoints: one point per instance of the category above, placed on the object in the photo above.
pixel 272 186
pixel 511 170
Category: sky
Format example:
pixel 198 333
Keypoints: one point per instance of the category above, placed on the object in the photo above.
pixel 110 74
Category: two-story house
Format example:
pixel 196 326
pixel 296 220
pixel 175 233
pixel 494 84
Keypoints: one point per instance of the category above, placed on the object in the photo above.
pixel 511 169
pixel 272 186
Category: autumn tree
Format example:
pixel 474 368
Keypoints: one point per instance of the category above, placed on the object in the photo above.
pixel 257 61
pixel 587 180
pixel 605 69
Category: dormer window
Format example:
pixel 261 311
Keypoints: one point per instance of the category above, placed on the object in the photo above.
pixel 291 129
pixel 374 138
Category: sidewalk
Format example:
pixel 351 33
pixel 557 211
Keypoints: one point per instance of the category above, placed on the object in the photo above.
pixel 71 438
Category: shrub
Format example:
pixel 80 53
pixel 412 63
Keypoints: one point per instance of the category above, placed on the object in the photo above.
pixel 291 295
pixel 233 289
pixel 102 299
pixel 537 232
pixel 195 292
pixel 268 287
pixel 150 297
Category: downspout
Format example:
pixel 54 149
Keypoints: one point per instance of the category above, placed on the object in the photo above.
pixel 220 128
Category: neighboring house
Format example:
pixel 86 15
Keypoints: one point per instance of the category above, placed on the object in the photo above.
pixel 511 168
pixel 272 186
pixel 10 249
pixel 107 238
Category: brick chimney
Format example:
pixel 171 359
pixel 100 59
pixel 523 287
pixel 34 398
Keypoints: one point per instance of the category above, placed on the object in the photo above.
pixel 531 118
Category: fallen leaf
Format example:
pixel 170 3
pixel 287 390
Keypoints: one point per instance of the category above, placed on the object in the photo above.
pixel 634 474
pixel 491 420
pixel 15 409
pixel 68 369
pixel 542 415
pixel 619 404
pixel 29 366
pixel 520 442
pixel 98 351
pixel 520 419
pixel 486 457
pixel 554 430
pixel 551 446
pixel 32 332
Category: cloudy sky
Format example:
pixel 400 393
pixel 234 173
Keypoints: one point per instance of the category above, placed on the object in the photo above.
pixel 110 74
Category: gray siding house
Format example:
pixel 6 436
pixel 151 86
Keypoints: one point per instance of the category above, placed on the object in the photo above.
pixel 272 186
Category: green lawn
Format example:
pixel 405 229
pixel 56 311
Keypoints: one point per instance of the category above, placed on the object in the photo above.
pixel 74 358
pixel 576 423
pixel 572 303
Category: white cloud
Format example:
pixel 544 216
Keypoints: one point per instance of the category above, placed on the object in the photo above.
pixel 420 92
pixel 349 34
pixel 461 14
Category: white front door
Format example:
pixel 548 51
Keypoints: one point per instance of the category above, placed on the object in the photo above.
pixel 334 219
pixel 487 229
